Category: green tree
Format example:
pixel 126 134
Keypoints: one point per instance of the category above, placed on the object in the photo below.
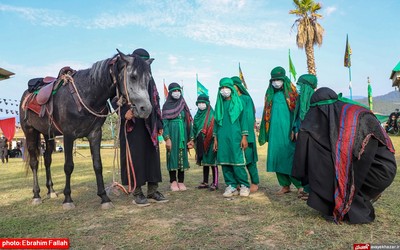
pixel 309 31
pixel 110 127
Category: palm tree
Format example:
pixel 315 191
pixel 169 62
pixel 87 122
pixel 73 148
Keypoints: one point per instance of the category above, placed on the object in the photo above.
pixel 309 31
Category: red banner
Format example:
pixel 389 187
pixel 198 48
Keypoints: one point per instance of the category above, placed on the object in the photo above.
pixel 8 127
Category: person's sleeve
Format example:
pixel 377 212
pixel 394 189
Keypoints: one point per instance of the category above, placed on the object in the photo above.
pixel 166 134
pixel 191 136
pixel 244 125
pixel 194 130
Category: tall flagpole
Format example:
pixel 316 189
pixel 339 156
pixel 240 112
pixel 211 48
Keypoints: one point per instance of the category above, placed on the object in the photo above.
pixel 350 87
pixel 290 75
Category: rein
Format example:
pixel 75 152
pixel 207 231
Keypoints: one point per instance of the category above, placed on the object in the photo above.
pixel 85 106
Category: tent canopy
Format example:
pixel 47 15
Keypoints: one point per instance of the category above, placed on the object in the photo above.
pixel 5 74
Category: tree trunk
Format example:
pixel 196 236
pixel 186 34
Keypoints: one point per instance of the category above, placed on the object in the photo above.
pixel 310 58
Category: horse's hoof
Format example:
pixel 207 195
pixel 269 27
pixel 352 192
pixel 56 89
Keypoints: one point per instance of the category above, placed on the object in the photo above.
pixel 52 195
pixel 68 206
pixel 107 205
pixel 36 201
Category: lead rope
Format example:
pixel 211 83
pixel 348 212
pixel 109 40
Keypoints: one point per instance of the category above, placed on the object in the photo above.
pixel 129 163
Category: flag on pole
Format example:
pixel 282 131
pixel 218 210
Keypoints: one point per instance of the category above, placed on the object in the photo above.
pixel 347 63
pixel 200 88
pixel 347 53
pixel 370 95
pixel 242 77
pixel 165 90
pixel 292 69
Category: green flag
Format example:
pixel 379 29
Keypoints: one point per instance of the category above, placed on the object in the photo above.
pixel 370 95
pixel 347 53
pixel 242 77
pixel 292 69
pixel 200 88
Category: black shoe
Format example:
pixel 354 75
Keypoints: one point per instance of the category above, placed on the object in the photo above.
pixel 140 200
pixel 157 197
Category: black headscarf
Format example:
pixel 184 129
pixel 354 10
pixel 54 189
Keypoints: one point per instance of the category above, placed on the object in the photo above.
pixel 154 121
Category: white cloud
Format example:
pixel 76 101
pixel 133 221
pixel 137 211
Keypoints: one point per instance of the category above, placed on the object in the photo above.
pixel 173 60
pixel 43 17
pixel 246 24
pixel 329 10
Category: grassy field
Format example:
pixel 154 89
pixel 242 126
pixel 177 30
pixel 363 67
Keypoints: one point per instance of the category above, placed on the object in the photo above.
pixel 194 219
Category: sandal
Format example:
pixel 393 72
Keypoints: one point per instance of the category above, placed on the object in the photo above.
pixel 203 185
pixel 284 190
pixel 213 187
pixel 301 194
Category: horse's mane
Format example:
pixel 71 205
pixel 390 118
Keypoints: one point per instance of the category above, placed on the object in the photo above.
pixel 100 71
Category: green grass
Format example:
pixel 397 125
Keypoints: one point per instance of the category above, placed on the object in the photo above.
pixel 195 219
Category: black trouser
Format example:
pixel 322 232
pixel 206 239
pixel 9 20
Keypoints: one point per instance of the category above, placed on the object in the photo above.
pixel 151 189
pixel 172 176
pixel 206 172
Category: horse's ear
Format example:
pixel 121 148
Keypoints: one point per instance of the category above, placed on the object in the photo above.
pixel 149 61
pixel 123 56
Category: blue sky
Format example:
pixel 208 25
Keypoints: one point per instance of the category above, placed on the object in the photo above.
pixel 207 37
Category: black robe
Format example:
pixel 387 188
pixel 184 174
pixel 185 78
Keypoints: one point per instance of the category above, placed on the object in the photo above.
pixel 143 143
pixel 372 165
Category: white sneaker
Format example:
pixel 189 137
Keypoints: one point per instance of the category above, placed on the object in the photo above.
pixel 244 191
pixel 230 191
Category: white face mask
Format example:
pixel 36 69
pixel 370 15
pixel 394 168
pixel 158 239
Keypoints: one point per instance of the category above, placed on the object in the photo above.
pixel 202 106
pixel 176 94
pixel 226 92
pixel 277 84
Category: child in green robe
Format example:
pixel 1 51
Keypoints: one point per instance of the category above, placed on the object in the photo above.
pixel 203 125
pixel 230 131
pixel 177 134
pixel 251 151
pixel 276 129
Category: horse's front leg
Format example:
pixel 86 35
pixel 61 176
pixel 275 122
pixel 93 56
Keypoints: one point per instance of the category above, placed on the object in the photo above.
pixel 47 163
pixel 95 140
pixel 32 144
pixel 68 169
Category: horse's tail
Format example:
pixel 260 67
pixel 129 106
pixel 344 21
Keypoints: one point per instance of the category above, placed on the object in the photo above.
pixel 27 155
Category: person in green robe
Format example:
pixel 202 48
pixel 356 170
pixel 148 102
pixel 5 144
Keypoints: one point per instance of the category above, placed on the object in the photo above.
pixel 177 135
pixel 276 128
pixel 230 141
pixel 251 151
pixel 203 125
pixel 306 85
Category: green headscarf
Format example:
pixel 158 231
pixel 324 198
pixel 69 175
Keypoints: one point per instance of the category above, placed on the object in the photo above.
pixel 289 90
pixel 308 83
pixel 236 106
pixel 202 114
pixel 237 82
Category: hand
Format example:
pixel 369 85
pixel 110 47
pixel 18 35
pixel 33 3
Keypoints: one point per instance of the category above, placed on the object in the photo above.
pixel 129 115
pixel 168 144
pixel 215 148
pixel 293 136
pixel 160 131
pixel 243 143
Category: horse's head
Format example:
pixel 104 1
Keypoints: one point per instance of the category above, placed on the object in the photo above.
pixel 134 78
